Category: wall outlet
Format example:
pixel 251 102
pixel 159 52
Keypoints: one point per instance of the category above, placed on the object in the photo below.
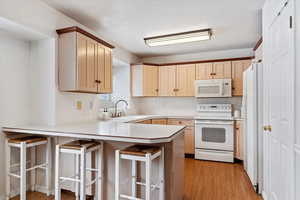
pixel 78 105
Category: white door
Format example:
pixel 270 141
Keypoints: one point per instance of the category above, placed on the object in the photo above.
pixel 280 87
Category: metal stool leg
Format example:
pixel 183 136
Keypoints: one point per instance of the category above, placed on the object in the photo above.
pixel 148 176
pixel 57 173
pixel 23 171
pixel 8 148
pixel 117 175
pixel 82 174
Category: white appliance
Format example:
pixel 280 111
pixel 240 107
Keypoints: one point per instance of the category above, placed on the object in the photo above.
pixel 252 115
pixel 214 135
pixel 213 88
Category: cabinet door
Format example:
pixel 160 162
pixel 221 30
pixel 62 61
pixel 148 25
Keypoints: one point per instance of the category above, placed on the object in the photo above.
pixel 91 66
pixel 150 80
pixel 204 71
pixel 238 67
pixel 238 147
pixel 167 81
pixel 108 71
pixel 185 80
pixel 222 70
pixel 189 140
pixel 101 68
pixel 81 62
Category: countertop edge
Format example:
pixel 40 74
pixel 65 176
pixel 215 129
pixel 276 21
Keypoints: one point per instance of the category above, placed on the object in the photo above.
pixel 96 137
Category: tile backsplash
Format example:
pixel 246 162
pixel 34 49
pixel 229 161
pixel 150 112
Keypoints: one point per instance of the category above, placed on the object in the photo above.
pixel 178 105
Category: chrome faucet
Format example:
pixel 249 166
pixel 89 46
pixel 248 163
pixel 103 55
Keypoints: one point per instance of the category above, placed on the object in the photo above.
pixel 116 114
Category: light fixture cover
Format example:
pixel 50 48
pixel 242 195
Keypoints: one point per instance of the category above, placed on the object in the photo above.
pixel 184 37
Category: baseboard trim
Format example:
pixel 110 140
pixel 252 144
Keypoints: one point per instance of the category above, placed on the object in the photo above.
pixel 189 155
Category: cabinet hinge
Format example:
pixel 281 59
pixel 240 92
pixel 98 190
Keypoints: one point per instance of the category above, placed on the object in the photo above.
pixel 291 22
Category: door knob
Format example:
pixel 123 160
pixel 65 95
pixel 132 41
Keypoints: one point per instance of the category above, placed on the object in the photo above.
pixel 265 128
pixel 270 128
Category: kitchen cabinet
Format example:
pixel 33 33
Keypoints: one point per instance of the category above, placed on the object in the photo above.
pixel 238 67
pixel 150 80
pixel 204 71
pixel 144 80
pixel 189 133
pixel 189 140
pixel 159 121
pixel 239 145
pixel 85 62
pixel 185 80
pixel 213 70
pixel 148 121
pixel 222 70
pixel 176 80
pixel 167 81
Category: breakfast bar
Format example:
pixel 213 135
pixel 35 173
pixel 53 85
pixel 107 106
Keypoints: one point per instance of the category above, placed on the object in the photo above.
pixel 116 135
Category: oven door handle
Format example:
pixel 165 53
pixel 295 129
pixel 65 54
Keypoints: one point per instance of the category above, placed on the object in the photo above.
pixel 216 123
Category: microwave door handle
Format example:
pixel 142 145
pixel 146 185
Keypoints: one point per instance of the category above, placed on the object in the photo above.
pixel 222 89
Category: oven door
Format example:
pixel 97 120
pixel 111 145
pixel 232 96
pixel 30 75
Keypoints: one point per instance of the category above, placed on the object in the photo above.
pixel 214 135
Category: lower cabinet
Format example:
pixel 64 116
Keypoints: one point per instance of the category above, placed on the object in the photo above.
pixel 239 145
pixel 148 121
pixel 189 140
pixel 189 132
pixel 160 121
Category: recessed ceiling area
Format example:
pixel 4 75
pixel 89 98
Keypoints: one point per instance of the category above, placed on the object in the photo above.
pixel 234 23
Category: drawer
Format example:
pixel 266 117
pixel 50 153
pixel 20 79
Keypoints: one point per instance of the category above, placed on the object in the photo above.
pixel 183 122
pixel 149 121
pixel 159 121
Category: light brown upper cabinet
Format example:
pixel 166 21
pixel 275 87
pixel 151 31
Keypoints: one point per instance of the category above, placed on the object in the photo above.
pixel 238 67
pixel 204 71
pixel 85 62
pixel 185 80
pixel 176 80
pixel 213 70
pixel 144 80
pixel 222 70
pixel 150 81
pixel 167 81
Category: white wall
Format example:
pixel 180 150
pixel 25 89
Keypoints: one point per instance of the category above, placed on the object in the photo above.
pixel 42 81
pixel 14 89
pixel 232 53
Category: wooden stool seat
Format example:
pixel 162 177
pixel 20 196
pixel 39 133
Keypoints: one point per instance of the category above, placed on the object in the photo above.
pixel 78 144
pixel 27 139
pixel 140 150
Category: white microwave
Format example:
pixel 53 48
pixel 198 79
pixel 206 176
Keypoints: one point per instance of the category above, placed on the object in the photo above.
pixel 213 88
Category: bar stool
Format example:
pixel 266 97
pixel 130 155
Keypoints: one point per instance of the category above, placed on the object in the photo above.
pixel 23 143
pixel 80 148
pixel 144 154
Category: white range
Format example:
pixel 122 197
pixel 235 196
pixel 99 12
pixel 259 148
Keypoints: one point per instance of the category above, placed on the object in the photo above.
pixel 214 135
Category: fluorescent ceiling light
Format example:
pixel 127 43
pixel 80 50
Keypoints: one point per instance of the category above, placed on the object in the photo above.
pixel 191 36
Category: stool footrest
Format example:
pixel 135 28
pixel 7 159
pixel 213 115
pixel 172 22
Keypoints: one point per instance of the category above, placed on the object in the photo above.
pixel 69 179
pixel 129 197
pixel 14 175
pixel 153 186
pixel 41 166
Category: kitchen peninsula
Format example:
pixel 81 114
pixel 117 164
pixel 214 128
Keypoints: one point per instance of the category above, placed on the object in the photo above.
pixel 118 134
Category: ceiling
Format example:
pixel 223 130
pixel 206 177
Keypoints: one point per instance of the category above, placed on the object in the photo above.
pixel 235 23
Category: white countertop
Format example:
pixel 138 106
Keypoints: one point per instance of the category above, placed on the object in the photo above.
pixel 112 130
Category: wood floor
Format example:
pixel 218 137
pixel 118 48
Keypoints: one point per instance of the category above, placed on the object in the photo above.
pixel 203 181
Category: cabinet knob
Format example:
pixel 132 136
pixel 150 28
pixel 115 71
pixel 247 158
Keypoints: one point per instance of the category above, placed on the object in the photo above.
pixel 97 81
pixel 156 90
